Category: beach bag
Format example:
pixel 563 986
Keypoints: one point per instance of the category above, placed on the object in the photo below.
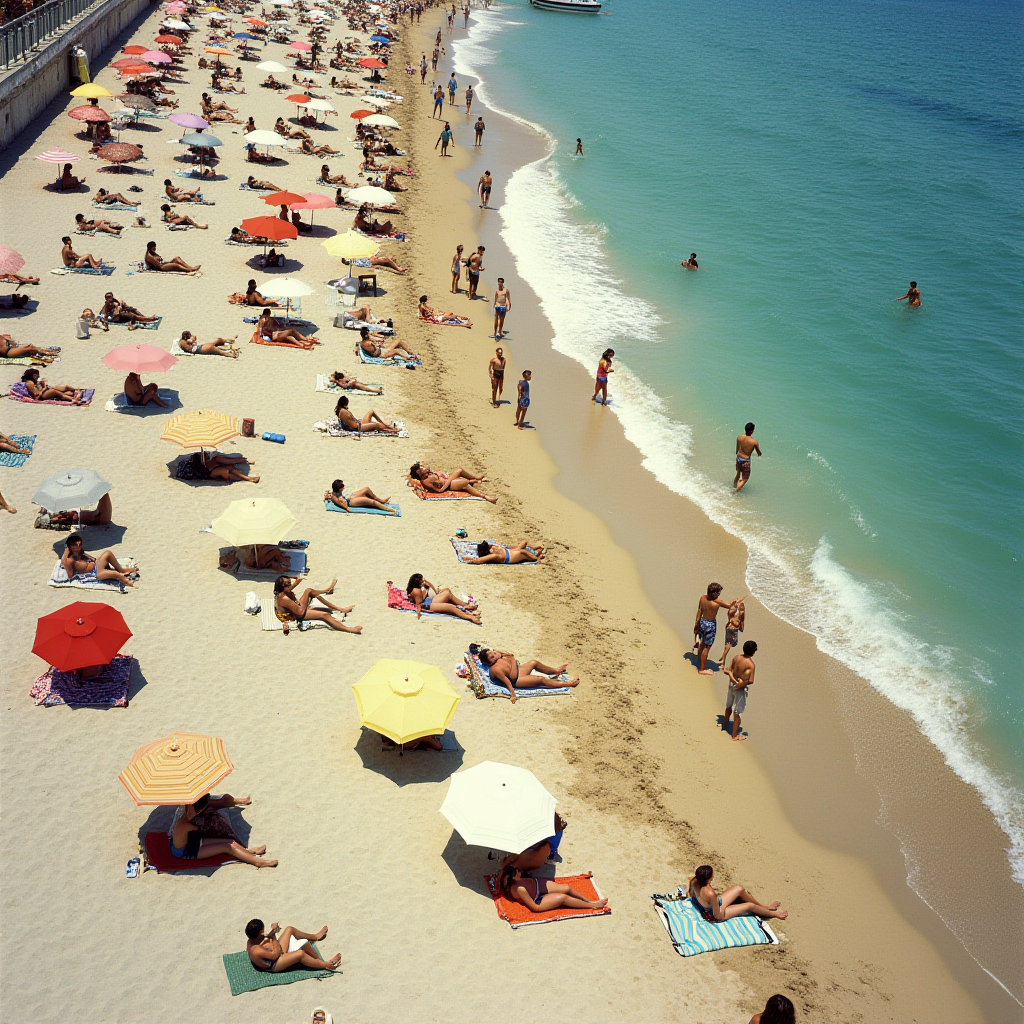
pixel 82 329
pixel 253 605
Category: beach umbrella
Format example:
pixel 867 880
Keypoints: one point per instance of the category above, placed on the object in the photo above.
pixel 119 152
pixel 405 700
pixel 126 62
pixel 322 105
pixel 90 91
pixel 371 62
pixel 10 261
pixel 177 769
pixel 139 359
pixel 220 51
pixel 244 36
pixel 193 121
pixel 314 201
pixel 136 102
pixel 300 45
pixel 380 39
pixel 358 115
pixel 500 806
pixel 134 49
pixel 283 198
pixel 70 489
pixel 203 139
pixel 88 113
pixel 270 227
pixel 380 121
pixel 297 98
pixel 371 194
pixel 255 21
pixel 181 26
pixel 251 521
pixel 166 39
pixel 265 137
pixel 273 67
pixel 351 246
pixel 79 635
pixel 57 156
pixel 286 288
pixel 202 429
pixel 157 57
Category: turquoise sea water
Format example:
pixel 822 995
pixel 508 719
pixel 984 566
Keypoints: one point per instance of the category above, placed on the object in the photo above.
pixel 817 156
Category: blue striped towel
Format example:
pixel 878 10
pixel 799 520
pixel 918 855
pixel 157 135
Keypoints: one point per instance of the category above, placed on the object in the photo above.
pixel 482 685
pixel 13 459
pixel 393 361
pixel 691 934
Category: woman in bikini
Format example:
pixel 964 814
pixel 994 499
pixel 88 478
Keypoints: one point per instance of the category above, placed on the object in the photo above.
pixel 270 330
pixel 734 902
pixel 188 844
pixel 334 179
pixel 118 312
pixel 340 379
pixel 501 554
pixel 106 198
pixel 221 347
pixel 361 498
pixel 176 265
pixel 82 226
pixel 370 423
pixel 178 219
pixel 541 894
pixel 261 186
pixel 378 348
pixel 289 608
pixel 604 367
pixel 364 223
pixel 43 391
pixel 431 315
pixel 441 602
pixel 10 349
pixel 509 673
pixel 456 269
pixel 439 483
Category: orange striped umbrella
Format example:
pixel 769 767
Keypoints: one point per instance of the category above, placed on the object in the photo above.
pixel 178 769
pixel 202 429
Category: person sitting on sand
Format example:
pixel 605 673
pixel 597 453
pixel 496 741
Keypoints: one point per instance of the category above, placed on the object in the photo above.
pixel 68 181
pixel 7 445
pixel 778 1010
pixel 363 222
pixel 89 567
pixel 179 219
pixel 210 105
pixel 391 184
pixel 439 483
pixel 10 349
pixel 342 380
pixel 427 312
pixel 73 261
pixel 178 194
pixel 311 149
pixel 251 297
pixel 441 602
pixel 509 673
pixel 542 894
pixel 283 128
pixel 84 517
pixel 109 198
pixel 175 265
pixel 734 902
pixel 269 953
pixel 265 557
pixel 383 348
pixel 83 226
pixel 44 391
pixel 214 466
pixel 188 342
pixel 272 330
pixel 290 608
pixel 334 179
pixel 501 554
pixel 261 186
pixel 370 422
pixel 361 498
pixel 115 311
pixel 138 393
pixel 188 843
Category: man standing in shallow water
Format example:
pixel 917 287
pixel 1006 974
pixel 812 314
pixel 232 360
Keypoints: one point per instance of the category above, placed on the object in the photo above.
pixel 746 445
pixel 913 295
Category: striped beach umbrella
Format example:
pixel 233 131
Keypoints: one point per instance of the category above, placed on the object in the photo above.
pixel 201 429
pixel 177 769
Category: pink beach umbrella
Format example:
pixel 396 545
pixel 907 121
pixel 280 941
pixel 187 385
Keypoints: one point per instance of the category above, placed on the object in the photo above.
pixel 156 57
pixel 58 156
pixel 191 121
pixel 139 359
pixel 314 201
pixel 10 261
pixel 300 45
pixel 175 8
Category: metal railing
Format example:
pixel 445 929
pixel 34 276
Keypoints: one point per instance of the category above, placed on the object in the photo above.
pixel 20 37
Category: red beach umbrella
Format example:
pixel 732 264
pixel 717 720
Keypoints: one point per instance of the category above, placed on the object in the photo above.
pixel 10 261
pixel 133 49
pixel 82 634
pixel 270 227
pixel 283 198
pixel 119 152
pixel 167 40
pixel 298 99
pixel 371 62
pixel 300 45
pixel 125 62
pixel 358 115
pixel 139 359
pixel 89 113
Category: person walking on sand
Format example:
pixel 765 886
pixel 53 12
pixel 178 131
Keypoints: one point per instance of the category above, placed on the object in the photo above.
pixel 423 70
pixel 452 89
pixel 474 265
pixel 604 367
pixel 469 98
pixel 483 188
pixel 438 102
pixel 733 628
pixel 502 305
pixel 705 626
pixel 445 139
pixel 746 445
pixel 524 399
pixel 433 59
pixel 479 128
pixel 456 269
pixel 579 148
pixel 496 371
pixel 741 675
pixel 913 295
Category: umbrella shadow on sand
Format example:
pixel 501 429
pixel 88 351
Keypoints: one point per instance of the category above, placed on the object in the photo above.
pixel 169 396
pixel 413 766
pixel 180 460
pixel 291 265
pixel 471 864
pixel 6 312
pixel 93 537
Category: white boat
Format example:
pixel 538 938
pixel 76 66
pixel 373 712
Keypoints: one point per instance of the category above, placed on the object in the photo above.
pixel 573 6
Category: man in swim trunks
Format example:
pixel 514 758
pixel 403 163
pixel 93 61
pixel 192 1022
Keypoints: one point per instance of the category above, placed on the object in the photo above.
pixel 483 187
pixel 496 369
pixel 741 674
pixel 270 953
pixel 479 128
pixel 705 626
pixel 138 393
pixel 746 445
pixel 913 295
pixel 73 261
pixel 691 263
pixel 507 672
pixel 473 268
pixel 502 305
pixel 524 399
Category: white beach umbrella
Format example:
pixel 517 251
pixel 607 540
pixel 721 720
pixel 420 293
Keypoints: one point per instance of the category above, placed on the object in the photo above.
pixel 500 806
pixel 265 137
pixel 370 194
pixel 70 489
pixel 180 25
pixel 284 288
pixel 380 121
pixel 273 67
pixel 319 105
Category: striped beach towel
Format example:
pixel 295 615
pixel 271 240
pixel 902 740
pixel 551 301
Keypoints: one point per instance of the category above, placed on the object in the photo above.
pixel 13 459
pixel 468 548
pixel 20 393
pixel 483 686
pixel 691 934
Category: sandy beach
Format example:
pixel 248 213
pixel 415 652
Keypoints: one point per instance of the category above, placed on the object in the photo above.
pixel 650 787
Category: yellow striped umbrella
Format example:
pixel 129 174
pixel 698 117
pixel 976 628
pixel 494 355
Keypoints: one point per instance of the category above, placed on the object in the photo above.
pixel 405 700
pixel 202 429
pixel 178 769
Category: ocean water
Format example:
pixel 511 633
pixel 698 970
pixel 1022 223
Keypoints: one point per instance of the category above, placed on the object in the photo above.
pixel 817 156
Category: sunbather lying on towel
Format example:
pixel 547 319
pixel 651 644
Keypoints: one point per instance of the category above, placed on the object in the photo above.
pixel 242 237
pixel 269 953
pixel 377 261
pixel 431 315
pixel 381 347
pixel 43 391
pixel 262 186
pixel 290 608
pixel 362 498
pixel 188 342
pixel 506 670
pixel 285 130
pixel 312 149
pixel 370 423
pixel 175 265
pixel 266 557
pixel 71 259
pixel 334 179
pixel 138 393
pixel 177 194
pixel 209 105
pixel 541 894
pixel 170 217
pixel 441 602
pixel 734 902
pixel 220 467
pixel 118 312
pixel 342 380
pixel 501 554
pixel 19 279
pixel 95 567
pixel 109 198
pixel 438 483
pixel 10 349
pixel 83 225
pixel 187 843
pixel 7 445
pixel 270 329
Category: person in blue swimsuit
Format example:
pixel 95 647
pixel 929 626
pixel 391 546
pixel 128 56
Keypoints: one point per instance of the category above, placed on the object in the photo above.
pixel 452 89
pixel 524 399
pixel 488 553
pixel 438 101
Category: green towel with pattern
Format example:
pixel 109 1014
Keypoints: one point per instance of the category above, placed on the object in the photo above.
pixel 243 977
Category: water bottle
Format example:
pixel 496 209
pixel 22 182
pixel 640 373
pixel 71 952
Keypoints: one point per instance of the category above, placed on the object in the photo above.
pixel 276 438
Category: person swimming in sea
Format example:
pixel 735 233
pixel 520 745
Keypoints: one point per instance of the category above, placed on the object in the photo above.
pixel 913 295
pixel 691 263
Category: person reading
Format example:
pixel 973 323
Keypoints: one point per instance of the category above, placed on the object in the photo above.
pixel 78 564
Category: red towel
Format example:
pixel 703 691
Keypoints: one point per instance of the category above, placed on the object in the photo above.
pixel 517 915
pixel 159 856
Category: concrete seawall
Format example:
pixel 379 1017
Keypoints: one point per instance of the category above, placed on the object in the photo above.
pixel 26 92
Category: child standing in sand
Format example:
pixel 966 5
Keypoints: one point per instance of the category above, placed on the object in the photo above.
pixel 733 628
pixel 524 399
pixel 604 367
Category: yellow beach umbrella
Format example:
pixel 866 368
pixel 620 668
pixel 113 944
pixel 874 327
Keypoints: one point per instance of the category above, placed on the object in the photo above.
pixel 202 429
pixel 178 769
pixel 254 521
pixel 91 91
pixel 405 700
pixel 351 246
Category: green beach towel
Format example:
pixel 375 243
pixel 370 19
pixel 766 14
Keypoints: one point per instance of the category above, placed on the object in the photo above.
pixel 691 934
pixel 243 977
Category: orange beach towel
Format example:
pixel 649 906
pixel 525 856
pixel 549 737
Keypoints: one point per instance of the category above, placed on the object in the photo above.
pixel 519 916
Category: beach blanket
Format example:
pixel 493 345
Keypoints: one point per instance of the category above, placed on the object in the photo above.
pixel 59 579
pixel 424 495
pixel 120 403
pixel 103 270
pixel 353 323
pixel 243 977
pixel 270 623
pixel 297 566
pixel 108 689
pixel 331 507
pixel 483 686
pixel 201 177
pixel 177 350
pixel 154 325
pixel 467 549
pixel 324 383
pixel 160 858
pixel 333 428
pixel 257 340
pixel 519 916
pixel 13 459
pixel 399 600
pixel 447 321
pixel 409 364
pixel 115 206
pixel 27 361
pixel 691 934
pixel 19 393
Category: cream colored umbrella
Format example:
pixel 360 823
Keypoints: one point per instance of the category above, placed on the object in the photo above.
pixel 381 121
pixel 372 194
pixel 251 521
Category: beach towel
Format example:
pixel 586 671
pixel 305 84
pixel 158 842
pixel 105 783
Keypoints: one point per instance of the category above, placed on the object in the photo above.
pixel 160 858
pixel 13 459
pixel 243 977
pixel 270 623
pixel 59 579
pixel 19 393
pixel 399 600
pixel 297 566
pixel 246 187
pixel 467 549
pixel 519 916
pixel 447 321
pixel 691 934
pixel 120 403
pixel 353 323
pixel 409 364
pixel 135 326
pixel 333 428
pixel 200 177
pixel 424 495
pixel 27 361
pixel 483 686
pixel 108 689
pixel 115 206
pixel 323 383
pixel 103 270
pixel 139 267
pixel 331 507
pixel 278 245
pixel 257 340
